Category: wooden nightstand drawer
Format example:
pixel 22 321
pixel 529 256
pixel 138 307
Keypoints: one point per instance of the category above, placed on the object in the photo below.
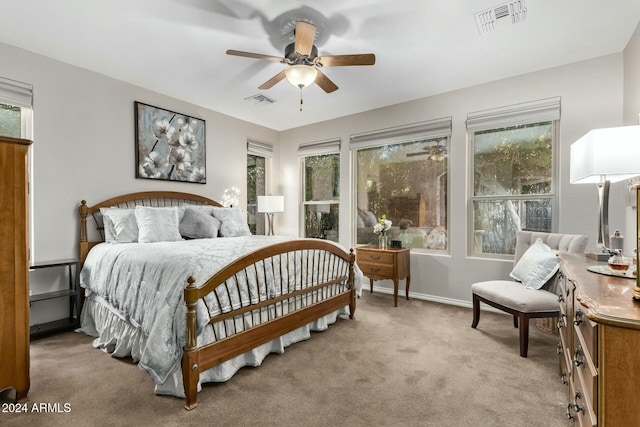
pixel 376 270
pixel 378 257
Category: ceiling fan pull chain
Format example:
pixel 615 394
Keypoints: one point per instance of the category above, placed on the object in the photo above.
pixel 300 86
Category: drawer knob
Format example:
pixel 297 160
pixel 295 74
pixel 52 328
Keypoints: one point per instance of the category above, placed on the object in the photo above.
pixel 560 298
pixel 579 318
pixel 569 415
pixel 563 378
pixel 559 348
pixel 562 322
pixel 576 359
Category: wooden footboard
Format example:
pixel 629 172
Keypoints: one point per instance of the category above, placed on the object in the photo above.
pixel 285 286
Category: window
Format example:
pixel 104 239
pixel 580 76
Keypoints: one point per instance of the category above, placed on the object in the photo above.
pixel 513 176
pixel 258 156
pixel 402 173
pixel 15 109
pixel 321 199
pixel 10 121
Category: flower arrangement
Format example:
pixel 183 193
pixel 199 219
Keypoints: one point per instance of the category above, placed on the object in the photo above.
pixel 382 226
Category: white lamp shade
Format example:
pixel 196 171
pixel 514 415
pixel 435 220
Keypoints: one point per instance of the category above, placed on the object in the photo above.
pixel 301 75
pixel 610 153
pixel 270 204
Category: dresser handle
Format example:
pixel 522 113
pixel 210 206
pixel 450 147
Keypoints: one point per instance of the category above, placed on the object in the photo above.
pixel 562 322
pixel 577 407
pixel 375 257
pixel 577 361
pixel 375 269
pixel 570 416
pixel 563 379
pixel 560 299
pixel 579 318
pixel 559 348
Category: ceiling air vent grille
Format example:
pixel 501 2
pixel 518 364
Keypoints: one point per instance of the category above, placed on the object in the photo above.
pixel 509 13
pixel 259 98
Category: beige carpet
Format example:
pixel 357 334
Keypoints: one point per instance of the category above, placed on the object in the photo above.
pixel 420 364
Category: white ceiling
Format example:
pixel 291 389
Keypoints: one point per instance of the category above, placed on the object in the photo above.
pixel 422 47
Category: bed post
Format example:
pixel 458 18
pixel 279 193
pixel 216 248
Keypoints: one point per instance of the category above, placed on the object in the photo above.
pixel 190 367
pixel 84 245
pixel 352 303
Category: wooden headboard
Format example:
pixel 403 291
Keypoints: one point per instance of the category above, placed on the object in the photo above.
pixel 145 198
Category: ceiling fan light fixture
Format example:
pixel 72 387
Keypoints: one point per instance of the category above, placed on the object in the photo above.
pixel 301 75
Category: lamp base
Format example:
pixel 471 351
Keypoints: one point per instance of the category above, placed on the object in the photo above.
pixel 598 256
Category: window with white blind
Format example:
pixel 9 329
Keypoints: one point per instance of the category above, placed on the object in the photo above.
pixel 513 183
pixel 15 109
pixel 320 170
pixel 402 173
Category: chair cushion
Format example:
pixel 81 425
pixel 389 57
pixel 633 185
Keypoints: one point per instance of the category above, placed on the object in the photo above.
pixel 516 296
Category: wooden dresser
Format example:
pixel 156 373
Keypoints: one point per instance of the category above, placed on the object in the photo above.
pixel 14 266
pixel 380 264
pixel 599 345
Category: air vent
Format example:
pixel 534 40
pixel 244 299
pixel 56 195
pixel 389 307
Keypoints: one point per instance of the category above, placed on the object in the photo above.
pixel 509 13
pixel 259 98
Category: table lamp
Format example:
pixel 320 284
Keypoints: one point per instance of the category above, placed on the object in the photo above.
pixel 601 157
pixel 270 205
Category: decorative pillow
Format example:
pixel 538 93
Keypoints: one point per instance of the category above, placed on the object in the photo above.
pixel 208 209
pixel 196 224
pixel 157 224
pixel 536 266
pixel 233 222
pixel 119 225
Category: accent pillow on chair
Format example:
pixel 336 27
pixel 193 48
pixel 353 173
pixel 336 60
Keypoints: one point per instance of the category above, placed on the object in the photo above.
pixel 535 265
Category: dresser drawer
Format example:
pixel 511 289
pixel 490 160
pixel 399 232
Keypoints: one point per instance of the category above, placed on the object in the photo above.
pixel 377 257
pixel 586 333
pixel 376 270
pixel 583 401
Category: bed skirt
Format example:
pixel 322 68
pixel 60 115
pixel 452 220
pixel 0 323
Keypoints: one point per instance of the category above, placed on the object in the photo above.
pixel 118 336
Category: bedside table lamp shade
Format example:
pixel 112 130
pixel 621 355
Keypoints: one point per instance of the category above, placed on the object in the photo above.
pixel 603 156
pixel 270 205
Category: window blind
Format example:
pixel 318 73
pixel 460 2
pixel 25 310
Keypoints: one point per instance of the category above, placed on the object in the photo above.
pixel 329 146
pixel 15 93
pixel 439 128
pixel 513 115
pixel 261 149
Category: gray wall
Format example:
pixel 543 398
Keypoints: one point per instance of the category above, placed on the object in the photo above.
pixel 84 149
pixel 591 97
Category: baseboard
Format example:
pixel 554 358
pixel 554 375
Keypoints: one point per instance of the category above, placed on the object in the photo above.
pixel 432 298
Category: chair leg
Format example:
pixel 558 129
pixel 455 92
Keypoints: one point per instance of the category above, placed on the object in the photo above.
pixel 476 311
pixel 515 321
pixel 524 334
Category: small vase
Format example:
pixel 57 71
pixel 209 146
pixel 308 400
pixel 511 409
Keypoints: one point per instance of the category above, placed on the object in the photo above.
pixel 382 241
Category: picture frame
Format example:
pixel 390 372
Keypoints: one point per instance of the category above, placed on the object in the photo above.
pixel 169 146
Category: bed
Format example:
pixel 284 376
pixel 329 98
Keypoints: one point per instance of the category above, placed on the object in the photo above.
pixel 191 311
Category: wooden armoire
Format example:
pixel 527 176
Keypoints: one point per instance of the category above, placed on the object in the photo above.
pixel 14 266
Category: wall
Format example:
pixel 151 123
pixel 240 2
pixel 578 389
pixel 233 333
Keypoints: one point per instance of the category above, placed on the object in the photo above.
pixel 84 149
pixel 631 117
pixel 591 96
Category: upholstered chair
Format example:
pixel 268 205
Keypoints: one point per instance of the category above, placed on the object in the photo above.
pixel 515 297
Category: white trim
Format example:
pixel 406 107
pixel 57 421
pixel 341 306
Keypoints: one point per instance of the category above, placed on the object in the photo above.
pixel 16 93
pixel 261 149
pixel 328 146
pixel 543 110
pixel 438 128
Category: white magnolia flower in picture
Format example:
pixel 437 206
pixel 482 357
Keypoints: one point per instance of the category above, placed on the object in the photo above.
pixel 230 197
pixel 169 145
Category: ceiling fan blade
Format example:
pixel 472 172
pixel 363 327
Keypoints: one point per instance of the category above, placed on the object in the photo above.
pixel 254 55
pixel 346 60
pixel 325 84
pixel 305 36
pixel 273 80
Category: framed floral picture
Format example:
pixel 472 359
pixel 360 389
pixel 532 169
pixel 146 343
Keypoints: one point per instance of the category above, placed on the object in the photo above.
pixel 169 146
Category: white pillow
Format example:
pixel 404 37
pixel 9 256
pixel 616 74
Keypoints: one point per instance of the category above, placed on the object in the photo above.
pixel 536 266
pixel 119 225
pixel 157 224
pixel 233 222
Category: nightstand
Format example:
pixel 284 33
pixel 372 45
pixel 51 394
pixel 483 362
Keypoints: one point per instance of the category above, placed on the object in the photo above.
pixel 72 293
pixel 381 264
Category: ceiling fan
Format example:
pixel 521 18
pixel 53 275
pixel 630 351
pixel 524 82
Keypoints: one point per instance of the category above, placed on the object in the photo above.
pixel 303 61
pixel 437 152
